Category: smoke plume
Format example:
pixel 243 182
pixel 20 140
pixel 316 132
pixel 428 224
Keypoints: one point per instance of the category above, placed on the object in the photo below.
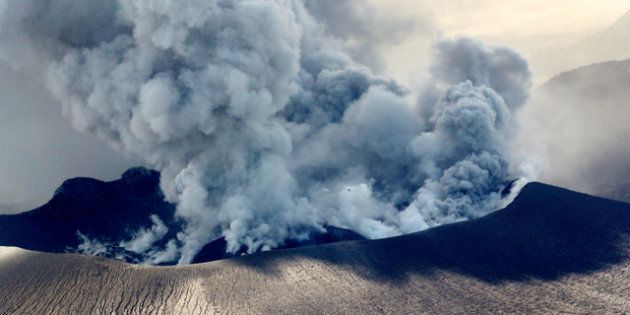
pixel 262 122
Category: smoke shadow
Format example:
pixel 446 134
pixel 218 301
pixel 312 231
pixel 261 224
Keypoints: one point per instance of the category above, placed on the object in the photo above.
pixel 546 233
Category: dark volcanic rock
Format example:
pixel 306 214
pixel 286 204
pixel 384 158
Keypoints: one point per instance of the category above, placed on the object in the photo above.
pixel 110 212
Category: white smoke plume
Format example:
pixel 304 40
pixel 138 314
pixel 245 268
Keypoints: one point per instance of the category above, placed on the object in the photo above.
pixel 263 125
pixel 139 248
pixel 92 247
pixel 143 240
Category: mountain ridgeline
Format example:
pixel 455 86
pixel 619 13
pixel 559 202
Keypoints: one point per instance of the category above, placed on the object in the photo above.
pixel 111 212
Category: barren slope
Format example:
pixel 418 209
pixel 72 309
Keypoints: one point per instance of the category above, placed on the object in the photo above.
pixel 552 250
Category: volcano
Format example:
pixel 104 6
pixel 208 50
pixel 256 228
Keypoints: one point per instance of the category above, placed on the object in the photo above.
pixel 550 251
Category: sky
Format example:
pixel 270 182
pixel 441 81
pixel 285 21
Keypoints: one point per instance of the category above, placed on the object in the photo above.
pixel 514 17
pixel 526 17
pixel 513 23
pixel 39 149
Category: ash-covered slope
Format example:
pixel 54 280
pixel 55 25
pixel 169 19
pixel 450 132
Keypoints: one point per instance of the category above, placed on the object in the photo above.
pixel 550 251
pixel 111 213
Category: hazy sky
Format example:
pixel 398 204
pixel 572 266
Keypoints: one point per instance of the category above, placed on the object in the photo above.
pixel 527 17
pixel 38 149
pixel 516 17
pixel 497 21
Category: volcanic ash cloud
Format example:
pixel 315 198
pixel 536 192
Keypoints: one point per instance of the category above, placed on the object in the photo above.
pixel 263 125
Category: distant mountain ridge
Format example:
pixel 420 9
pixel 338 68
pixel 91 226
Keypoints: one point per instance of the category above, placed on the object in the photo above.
pixel 613 43
pixel 110 213
pixel 586 79
pixel 581 116
pixel 620 30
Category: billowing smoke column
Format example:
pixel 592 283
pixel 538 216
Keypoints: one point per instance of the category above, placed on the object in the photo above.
pixel 263 126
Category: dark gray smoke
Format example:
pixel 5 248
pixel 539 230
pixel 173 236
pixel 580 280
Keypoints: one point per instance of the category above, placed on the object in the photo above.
pixel 262 124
